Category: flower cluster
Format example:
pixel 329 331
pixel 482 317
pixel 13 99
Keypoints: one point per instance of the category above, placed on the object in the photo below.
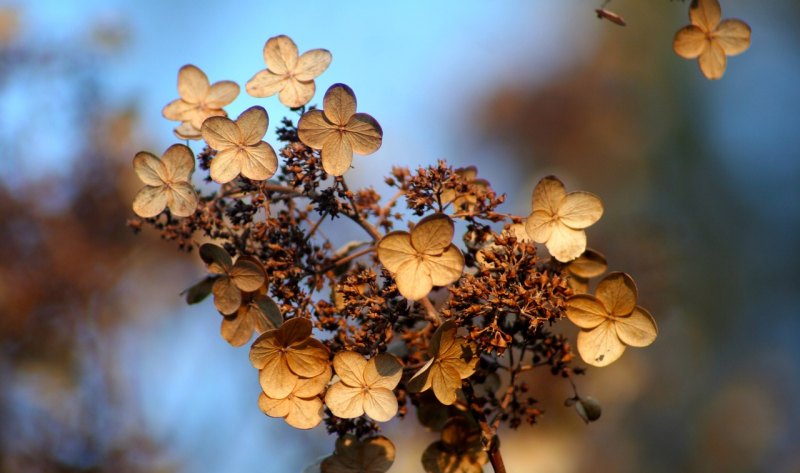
pixel 354 334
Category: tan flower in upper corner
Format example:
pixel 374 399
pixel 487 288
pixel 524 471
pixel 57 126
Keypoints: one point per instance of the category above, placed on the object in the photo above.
pixel 424 258
pixel 168 182
pixel 460 450
pixel 291 75
pixel 339 131
pixel 302 408
pixel 239 146
pixel 246 275
pixel 588 265
pixel 199 100
pixel 709 39
pixel 452 359
pixel 364 386
pixel 258 315
pixel 609 320
pixel 372 455
pixel 285 355
pixel 558 218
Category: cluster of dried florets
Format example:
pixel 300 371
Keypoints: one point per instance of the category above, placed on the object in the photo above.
pixel 350 337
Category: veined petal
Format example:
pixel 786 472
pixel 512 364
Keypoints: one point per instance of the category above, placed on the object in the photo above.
pixel 364 133
pixel 265 83
pixel 212 254
pixel 308 387
pixel 296 93
pixel 150 169
pixel 187 131
pixel 193 85
pixel 421 381
pixel 227 297
pixel 588 265
pixel 181 199
pixel 264 348
pixel 733 36
pixel 179 163
pixel 294 331
pixel 580 209
pixel 177 109
pixel 548 194
pixel 350 367
pixel 586 311
pixel 227 165
pixel 150 201
pixel 199 115
pixel 221 133
pixel 690 42
pixel 713 61
pixel 433 234
pixel 395 249
pixel 274 407
pixel 413 280
pixel 539 225
pixel 261 162
pixel 380 404
pixel 566 244
pixel 705 14
pixel 336 155
pixel 314 129
pixel 308 359
pixel 311 64
pixel 383 371
pixel 345 401
pixel 237 330
pixel 248 275
pixel 221 94
pixel 253 124
pixel 305 413
pixel 280 54
pixel 446 268
pixel 600 346
pixel 339 104
pixel 637 330
pixel 445 381
pixel 618 294
pixel 276 379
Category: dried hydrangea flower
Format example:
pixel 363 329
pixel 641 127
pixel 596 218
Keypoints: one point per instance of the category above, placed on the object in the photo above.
pixel 588 265
pixel 452 359
pixel 258 315
pixel 291 75
pixel 199 100
pixel 610 320
pixel 460 450
pixel 424 258
pixel 364 386
pixel 558 218
pixel 338 131
pixel 709 39
pixel 239 145
pixel 285 355
pixel 246 275
pixel 465 202
pixel 371 455
pixel 168 182
pixel 302 407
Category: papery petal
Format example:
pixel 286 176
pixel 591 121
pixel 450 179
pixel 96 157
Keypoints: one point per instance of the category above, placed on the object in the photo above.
pixel 193 85
pixel 265 347
pixel 308 387
pixel 198 116
pixel 600 346
pixel 566 244
pixel 261 162
pixel 179 163
pixel 150 169
pixel 364 133
pixel 276 379
pixel 588 265
pixel 227 165
pixel 221 133
pixel 227 297
pixel 445 381
pixel 421 381
pixel 280 54
pixel 253 124
pixel 580 209
pixel 345 401
pixel 305 413
pixel 296 93
pixel 548 194
pixel 690 42
pixel 265 83
pixel 308 359
pixel 618 293
pixel 221 94
pixel 350 367
pixel 383 371
pixel 705 14
pixel 637 330
pixel 150 201
pixel 413 280
pixel 177 109
pixel 395 249
pixel 733 36
pixel 443 339
pixel 339 104
pixel 248 275
pixel 539 226
pixel 380 404
pixel 214 254
pixel 265 313
pixel 713 61
pixel 433 234
pixel 237 330
pixel 311 64
pixel 336 155
pixel 187 131
pixel 586 311
pixel 181 199
pixel 274 407
pixel 314 129
pixel 446 268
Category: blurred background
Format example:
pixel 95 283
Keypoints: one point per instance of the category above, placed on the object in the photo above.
pixel 104 368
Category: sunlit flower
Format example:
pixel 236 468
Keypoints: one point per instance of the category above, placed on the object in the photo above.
pixel 610 320
pixel 291 75
pixel 258 315
pixel 239 146
pixel 302 407
pixel 452 359
pixel 709 39
pixel 588 265
pixel 199 100
pixel 371 455
pixel 459 451
pixel 168 182
pixel 338 131
pixel 364 386
pixel 423 258
pixel 286 354
pixel 558 218
pixel 246 275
